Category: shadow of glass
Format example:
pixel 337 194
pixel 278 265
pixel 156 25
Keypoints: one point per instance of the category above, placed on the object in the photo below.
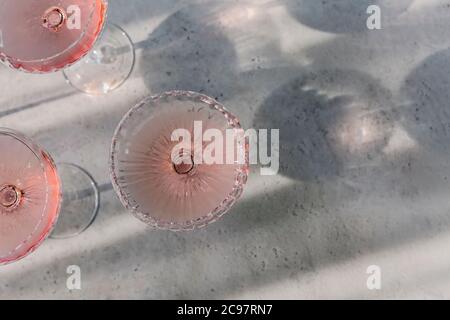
pixel 342 16
pixel 125 12
pixel 38 103
pixel 329 121
pixel 188 51
pixel 426 115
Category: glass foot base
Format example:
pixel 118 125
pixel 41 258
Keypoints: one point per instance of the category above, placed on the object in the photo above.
pixel 80 202
pixel 107 66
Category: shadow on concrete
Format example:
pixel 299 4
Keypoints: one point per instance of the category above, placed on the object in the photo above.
pixel 37 103
pixel 426 115
pixel 342 16
pixel 188 51
pixel 328 120
pixel 347 199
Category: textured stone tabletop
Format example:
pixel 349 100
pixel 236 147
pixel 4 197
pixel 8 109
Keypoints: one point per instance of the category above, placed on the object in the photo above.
pixel 365 153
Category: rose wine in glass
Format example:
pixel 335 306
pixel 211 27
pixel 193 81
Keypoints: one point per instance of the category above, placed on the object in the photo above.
pixel 31 197
pixel 50 35
pixel 168 185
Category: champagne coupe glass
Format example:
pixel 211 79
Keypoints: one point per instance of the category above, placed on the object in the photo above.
pixel 166 183
pixel 33 191
pixel 50 35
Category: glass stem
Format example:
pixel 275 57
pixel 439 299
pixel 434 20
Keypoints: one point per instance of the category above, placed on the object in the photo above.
pixel 54 18
pixel 184 162
pixel 10 197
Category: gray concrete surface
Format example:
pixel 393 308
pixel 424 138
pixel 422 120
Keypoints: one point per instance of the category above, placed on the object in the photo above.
pixel 365 148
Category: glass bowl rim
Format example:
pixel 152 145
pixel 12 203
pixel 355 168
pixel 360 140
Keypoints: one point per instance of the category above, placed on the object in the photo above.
pixel 241 173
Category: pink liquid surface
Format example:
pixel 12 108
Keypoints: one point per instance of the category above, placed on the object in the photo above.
pixel 24 226
pixel 149 182
pixel 28 45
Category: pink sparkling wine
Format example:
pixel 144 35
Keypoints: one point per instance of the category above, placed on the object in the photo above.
pixel 167 194
pixel 29 196
pixel 48 35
